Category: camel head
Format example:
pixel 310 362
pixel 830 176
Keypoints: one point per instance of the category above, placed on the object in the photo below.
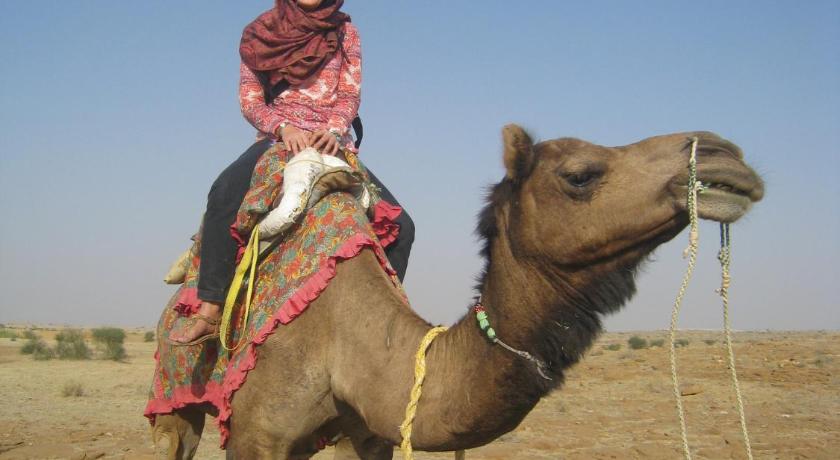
pixel 572 203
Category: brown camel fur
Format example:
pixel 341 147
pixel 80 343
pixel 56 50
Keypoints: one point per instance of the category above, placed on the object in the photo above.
pixel 564 233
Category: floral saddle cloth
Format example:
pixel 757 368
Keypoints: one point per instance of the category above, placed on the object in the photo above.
pixel 292 271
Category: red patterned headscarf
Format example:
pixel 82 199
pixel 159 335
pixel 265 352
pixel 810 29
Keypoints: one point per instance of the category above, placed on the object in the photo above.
pixel 290 43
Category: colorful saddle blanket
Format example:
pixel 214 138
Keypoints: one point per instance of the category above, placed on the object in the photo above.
pixel 289 278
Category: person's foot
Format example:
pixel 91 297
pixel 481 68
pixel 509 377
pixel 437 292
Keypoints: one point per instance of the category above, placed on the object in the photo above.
pixel 205 322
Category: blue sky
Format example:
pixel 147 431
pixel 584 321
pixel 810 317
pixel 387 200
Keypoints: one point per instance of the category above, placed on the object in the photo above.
pixel 115 117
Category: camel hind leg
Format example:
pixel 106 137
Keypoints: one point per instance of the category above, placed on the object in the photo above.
pixel 176 435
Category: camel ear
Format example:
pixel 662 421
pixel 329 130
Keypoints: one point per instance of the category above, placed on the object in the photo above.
pixel 519 151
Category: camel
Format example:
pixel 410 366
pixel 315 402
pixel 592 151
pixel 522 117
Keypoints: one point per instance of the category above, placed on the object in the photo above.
pixel 564 233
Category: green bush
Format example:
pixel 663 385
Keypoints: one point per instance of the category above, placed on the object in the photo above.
pixel 43 352
pixel 108 335
pixel 681 343
pixel 149 336
pixel 8 334
pixel 613 347
pixel 70 344
pixel 710 341
pixel 657 342
pixel 637 343
pixel 33 343
pixel 111 340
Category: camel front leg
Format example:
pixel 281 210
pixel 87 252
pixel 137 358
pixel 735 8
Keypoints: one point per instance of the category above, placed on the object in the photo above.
pixel 176 435
pixel 371 448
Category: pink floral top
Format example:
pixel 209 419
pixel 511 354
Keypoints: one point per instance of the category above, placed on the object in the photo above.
pixel 329 101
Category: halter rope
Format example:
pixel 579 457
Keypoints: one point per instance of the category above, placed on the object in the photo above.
pixel 724 256
pixel 416 391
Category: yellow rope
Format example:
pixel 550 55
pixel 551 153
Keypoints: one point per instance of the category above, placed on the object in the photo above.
pixel 246 265
pixel 416 390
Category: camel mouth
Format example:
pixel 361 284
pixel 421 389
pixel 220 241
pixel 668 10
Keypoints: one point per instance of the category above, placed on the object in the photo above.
pixel 728 191
pixel 727 188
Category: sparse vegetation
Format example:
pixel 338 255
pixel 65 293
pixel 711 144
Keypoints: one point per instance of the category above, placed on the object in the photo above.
pixel 613 347
pixel 657 342
pixel 822 360
pixel 637 343
pixel 8 333
pixel 710 341
pixel 73 389
pixel 43 352
pixel 681 343
pixel 111 340
pixel 149 336
pixel 34 343
pixel 70 344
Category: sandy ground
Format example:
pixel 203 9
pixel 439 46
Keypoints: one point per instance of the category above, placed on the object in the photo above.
pixel 616 403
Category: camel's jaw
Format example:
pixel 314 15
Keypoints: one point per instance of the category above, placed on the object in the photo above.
pixel 729 188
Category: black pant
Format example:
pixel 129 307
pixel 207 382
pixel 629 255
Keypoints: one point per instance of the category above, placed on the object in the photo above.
pixel 218 248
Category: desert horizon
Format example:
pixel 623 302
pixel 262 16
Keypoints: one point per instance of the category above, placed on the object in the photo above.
pixel 617 403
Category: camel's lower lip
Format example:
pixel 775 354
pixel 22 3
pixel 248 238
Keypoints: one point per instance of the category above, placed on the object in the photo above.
pixel 718 203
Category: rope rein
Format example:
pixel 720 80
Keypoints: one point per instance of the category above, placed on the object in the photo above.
pixel 691 252
pixel 724 256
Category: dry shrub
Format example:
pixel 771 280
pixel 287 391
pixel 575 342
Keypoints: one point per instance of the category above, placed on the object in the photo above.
pixel 657 342
pixel 149 336
pixel 70 344
pixel 43 353
pixel 637 343
pixel 35 346
pixel 613 347
pixel 111 340
pixel 73 389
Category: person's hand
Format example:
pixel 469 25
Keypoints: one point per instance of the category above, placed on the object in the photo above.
pixel 294 138
pixel 325 142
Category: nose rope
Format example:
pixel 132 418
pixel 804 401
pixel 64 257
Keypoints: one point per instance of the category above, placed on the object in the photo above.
pixel 724 256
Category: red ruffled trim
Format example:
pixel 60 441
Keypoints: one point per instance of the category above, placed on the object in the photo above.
pixel 294 306
pixel 383 222
pixel 183 396
pixel 188 302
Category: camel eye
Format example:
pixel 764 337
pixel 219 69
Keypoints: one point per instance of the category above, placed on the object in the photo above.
pixel 580 180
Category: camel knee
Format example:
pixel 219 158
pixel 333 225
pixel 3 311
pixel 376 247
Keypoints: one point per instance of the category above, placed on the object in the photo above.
pixel 176 436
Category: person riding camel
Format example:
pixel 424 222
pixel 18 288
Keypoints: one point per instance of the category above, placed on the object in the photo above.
pixel 300 84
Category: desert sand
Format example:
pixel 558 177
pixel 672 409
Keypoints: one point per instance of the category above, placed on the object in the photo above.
pixel 615 403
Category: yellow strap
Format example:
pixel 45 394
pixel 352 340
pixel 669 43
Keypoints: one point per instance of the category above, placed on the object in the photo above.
pixel 248 263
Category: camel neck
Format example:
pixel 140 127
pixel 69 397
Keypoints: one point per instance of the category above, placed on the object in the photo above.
pixel 533 309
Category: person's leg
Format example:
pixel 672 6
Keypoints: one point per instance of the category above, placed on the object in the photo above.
pixel 218 248
pixel 400 249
